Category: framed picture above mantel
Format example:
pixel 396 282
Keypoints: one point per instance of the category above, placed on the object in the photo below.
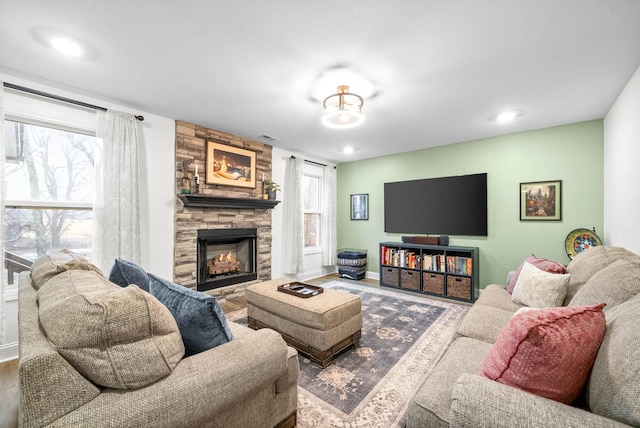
pixel 541 201
pixel 230 166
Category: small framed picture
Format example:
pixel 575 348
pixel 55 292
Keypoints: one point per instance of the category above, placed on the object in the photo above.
pixel 360 207
pixel 541 201
pixel 231 166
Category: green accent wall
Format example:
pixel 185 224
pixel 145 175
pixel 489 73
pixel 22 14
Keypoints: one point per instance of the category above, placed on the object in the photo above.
pixel 571 153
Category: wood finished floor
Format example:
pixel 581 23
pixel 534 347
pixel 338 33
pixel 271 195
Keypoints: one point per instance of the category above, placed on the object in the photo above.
pixel 9 394
pixel 9 389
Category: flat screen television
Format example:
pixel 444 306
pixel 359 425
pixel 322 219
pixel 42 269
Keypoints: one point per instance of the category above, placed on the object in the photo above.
pixel 444 206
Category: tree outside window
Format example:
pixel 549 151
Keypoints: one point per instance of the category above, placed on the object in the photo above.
pixel 50 190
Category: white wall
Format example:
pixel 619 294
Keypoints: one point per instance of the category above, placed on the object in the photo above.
pixel 621 168
pixel 312 262
pixel 156 180
pixel 158 194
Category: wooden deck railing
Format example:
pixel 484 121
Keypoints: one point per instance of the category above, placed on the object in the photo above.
pixel 15 264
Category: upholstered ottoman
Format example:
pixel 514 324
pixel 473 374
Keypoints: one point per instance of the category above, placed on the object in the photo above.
pixel 320 326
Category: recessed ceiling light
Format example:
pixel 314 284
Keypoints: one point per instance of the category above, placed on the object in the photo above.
pixel 507 116
pixel 347 150
pixel 66 46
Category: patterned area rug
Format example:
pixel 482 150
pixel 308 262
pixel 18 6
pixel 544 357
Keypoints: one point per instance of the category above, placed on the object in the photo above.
pixel 403 337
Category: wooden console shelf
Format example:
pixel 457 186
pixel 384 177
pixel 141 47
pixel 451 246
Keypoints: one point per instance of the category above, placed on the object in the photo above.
pixel 205 201
pixel 450 272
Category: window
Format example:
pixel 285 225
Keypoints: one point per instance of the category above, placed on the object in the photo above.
pixel 312 208
pixel 49 171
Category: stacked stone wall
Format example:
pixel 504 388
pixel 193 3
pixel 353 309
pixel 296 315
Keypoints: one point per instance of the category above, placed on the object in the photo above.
pixel 191 146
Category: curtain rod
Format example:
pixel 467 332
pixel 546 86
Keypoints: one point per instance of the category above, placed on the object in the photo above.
pixel 58 98
pixel 311 162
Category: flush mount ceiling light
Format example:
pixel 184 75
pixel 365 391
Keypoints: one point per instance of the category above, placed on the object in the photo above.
pixel 343 109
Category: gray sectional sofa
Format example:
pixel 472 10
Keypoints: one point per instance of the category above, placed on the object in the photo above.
pixel 456 395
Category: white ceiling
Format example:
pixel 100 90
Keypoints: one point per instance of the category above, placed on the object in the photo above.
pixel 441 68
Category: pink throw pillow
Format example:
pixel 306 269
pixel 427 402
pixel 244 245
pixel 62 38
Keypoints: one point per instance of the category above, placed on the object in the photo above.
pixel 547 352
pixel 542 264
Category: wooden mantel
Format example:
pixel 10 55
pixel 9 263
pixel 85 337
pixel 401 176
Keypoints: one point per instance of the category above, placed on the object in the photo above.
pixel 206 201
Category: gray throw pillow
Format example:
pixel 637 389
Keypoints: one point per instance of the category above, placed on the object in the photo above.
pixel 124 273
pixel 199 316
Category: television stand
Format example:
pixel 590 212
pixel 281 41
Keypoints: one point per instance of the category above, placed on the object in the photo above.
pixel 449 272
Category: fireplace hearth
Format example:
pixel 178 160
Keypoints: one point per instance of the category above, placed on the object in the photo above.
pixel 226 257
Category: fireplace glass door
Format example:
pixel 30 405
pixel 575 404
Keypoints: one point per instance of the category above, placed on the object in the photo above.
pixel 226 257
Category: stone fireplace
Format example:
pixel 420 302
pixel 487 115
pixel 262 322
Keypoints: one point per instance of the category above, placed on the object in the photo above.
pixel 226 257
pixel 220 208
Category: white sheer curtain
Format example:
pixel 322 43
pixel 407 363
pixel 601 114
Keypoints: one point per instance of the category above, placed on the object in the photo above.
pixel 116 210
pixel 329 238
pixel 3 271
pixel 293 218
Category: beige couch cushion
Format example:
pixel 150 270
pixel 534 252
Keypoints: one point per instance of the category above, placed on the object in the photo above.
pixel 484 323
pixel 497 296
pixel 614 386
pixel 430 405
pixel 615 284
pixel 49 265
pixel 116 337
pixel 591 261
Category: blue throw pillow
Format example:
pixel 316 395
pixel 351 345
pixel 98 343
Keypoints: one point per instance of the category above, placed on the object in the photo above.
pixel 125 272
pixel 199 316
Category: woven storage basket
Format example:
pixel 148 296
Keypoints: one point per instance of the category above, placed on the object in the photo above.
pixel 390 276
pixel 459 286
pixel 433 283
pixel 410 279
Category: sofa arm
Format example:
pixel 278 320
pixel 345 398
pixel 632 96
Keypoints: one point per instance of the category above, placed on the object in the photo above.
pixel 235 370
pixel 199 390
pixel 481 402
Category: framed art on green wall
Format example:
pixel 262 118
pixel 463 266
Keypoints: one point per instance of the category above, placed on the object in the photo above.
pixel 541 201
pixel 360 207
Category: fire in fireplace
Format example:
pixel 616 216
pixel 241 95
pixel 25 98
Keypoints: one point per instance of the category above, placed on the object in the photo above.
pixel 226 257
pixel 222 265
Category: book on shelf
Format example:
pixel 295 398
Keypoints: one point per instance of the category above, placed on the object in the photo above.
pixel 407 258
pixel 459 265
pixel 434 262
pixel 400 258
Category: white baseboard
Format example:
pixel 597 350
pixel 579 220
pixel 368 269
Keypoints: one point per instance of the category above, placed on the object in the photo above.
pixel 8 351
pixel 372 275
pixel 11 293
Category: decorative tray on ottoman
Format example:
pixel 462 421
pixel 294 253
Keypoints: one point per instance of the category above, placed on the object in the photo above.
pixel 300 289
